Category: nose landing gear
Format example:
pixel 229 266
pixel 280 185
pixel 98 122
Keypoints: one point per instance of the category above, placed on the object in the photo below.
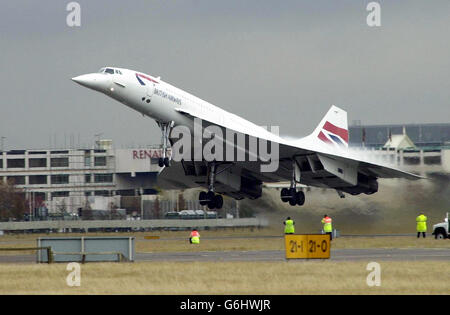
pixel 163 162
pixel 165 130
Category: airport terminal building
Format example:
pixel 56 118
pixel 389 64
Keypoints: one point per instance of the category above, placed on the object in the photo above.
pixel 73 176
pixel 423 135
pixel 423 149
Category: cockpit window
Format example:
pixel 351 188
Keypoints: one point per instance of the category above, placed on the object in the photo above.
pixel 109 70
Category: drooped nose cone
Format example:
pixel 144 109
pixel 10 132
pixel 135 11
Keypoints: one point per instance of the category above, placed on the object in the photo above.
pixel 95 81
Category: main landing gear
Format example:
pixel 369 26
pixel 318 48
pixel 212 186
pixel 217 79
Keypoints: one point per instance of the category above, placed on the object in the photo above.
pixel 291 194
pixel 165 130
pixel 210 198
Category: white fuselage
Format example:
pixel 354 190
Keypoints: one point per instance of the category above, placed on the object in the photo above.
pixel 164 102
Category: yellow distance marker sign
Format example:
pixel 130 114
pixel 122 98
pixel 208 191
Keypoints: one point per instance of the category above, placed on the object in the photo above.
pixel 307 246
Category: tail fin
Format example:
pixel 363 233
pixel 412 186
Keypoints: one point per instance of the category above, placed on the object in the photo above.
pixel 333 128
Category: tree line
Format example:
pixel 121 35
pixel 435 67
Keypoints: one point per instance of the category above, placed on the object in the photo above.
pixel 13 203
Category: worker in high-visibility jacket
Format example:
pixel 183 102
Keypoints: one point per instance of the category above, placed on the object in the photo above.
pixel 421 225
pixel 195 237
pixel 289 227
pixel 327 227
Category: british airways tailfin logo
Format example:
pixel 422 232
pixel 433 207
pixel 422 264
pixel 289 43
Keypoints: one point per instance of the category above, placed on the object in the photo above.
pixel 333 135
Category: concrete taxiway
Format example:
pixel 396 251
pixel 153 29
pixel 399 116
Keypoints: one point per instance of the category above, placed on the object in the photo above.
pixel 415 254
pixel 336 255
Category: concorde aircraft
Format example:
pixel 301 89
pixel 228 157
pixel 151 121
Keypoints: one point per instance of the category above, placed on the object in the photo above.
pixel 321 159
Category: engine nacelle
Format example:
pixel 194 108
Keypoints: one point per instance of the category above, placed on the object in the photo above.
pixel 252 189
pixel 238 186
pixel 366 184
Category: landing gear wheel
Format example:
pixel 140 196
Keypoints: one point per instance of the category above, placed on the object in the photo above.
pixel 166 162
pixel 160 162
pixel 292 192
pixel 211 204
pixel 300 198
pixel 292 196
pixel 210 196
pixel 293 201
pixel 211 200
pixel 202 198
pixel 285 195
pixel 218 201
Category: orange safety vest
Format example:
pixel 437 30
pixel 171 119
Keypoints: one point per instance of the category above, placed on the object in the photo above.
pixel 327 224
pixel 195 237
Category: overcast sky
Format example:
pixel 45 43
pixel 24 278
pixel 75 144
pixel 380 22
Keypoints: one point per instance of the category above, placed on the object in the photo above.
pixel 273 62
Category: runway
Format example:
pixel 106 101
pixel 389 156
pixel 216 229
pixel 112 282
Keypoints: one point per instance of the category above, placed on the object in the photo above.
pixel 336 255
pixel 419 254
